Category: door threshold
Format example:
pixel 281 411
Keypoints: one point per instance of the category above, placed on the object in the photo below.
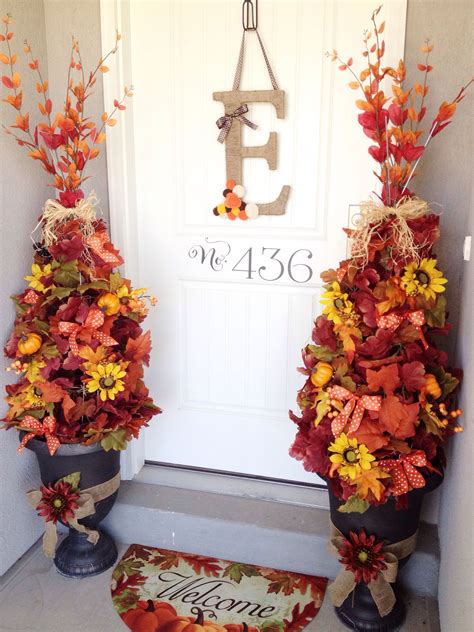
pixel 233 484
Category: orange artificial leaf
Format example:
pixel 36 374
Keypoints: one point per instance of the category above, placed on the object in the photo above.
pixel 385 379
pixel 412 115
pixel 392 293
pixel 346 333
pixel 446 111
pixel 4 58
pixel 369 482
pixel 94 153
pixel 427 48
pixel 350 61
pixel 112 122
pixel 370 434
pixel 9 35
pixel 397 418
pixel 138 349
pixel 39 88
pixel 364 105
pixel 353 84
pixel 382 27
pixel 42 109
pixel 13 59
pixel 104 69
pixel 104 116
pixel 421 67
pixel 100 138
pixel 45 86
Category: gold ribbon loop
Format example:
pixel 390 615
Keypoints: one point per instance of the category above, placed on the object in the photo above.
pixel 380 588
pixel 86 507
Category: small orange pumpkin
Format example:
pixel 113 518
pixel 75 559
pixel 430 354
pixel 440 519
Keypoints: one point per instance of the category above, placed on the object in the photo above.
pixel 149 616
pixel 109 303
pixel 185 624
pixel 29 343
pixel 323 374
pixel 240 627
pixel 431 386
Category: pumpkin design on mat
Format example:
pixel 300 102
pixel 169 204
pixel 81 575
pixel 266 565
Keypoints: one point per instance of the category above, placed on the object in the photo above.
pixel 149 616
pixel 186 624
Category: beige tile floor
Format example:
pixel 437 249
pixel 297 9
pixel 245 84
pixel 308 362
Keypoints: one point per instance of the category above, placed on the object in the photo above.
pixel 35 598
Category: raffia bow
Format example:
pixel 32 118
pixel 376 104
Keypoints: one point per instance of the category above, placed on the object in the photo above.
pixel 36 428
pixel 393 321
pixel 404 473
pixel 372 216
pixel 55 215
pixel 224 123
pixel 353 410
pixel 86 507
pixel 94 320
pixel 380 589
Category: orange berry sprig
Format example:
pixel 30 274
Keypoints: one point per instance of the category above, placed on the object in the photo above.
pixel 65 142
pixel 392 123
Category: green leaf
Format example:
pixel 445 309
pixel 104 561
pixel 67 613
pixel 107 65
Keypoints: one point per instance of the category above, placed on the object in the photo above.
pixel 126 600
pixel 19 308
pixel 272 626
pixel 436 317
pixel 321 353
pixel 73 479
pixel 67 275
pixel 354 504
pixel 447 382
pixel 101 284
pixel 236 571
pixel 49 350
pixel 348 382
pixel 115 440
pixel 127 567
pixel 431 422
pixel 115 281
pixel 59 292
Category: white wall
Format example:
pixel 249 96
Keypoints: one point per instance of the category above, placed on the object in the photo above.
pixel 49 26
pixel 446 178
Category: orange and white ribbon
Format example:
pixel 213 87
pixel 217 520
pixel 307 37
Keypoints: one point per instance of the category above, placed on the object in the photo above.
pixel 37 428
pixel 31 297
pixel 353 410
pixel 96 243
pixel 404 474
pixel 94 320
pixel 393 321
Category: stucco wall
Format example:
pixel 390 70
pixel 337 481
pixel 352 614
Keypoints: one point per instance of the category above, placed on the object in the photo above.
pixel 446 179
pixel 22 193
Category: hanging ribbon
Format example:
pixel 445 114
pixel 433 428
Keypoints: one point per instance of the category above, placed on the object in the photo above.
pixel 224 123
pixel 96 243
pixel 86 507
pixel 94 320
pixel 393 321
pixel 404 474
pixel 380 589
pixel 36 428
pixel 360 404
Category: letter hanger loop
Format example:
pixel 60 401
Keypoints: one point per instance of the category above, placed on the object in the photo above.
pixel 250 15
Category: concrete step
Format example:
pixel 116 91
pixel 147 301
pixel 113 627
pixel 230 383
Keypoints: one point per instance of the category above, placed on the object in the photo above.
pixel 266 532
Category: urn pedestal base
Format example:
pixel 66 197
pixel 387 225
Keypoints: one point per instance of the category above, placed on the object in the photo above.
pixel 76 557
pixel 359 613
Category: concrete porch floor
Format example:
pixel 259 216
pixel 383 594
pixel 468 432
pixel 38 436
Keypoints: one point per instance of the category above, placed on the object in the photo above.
pixel 35 598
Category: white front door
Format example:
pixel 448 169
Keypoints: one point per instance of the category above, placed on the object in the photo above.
pixel 237 299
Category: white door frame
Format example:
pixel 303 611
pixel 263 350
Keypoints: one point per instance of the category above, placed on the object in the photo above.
pixel 115 15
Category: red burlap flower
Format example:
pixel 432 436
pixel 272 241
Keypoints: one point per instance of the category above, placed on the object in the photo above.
pixel 362 555
pixel 58 502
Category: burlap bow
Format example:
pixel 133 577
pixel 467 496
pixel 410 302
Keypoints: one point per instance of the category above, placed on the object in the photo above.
pixel 224 123
pixel 94 320
pixel 371 218
pixel 360 404
pixel 404 473
pixel 380 589
pixel 86 507
pixel 36 428
pixel 393 321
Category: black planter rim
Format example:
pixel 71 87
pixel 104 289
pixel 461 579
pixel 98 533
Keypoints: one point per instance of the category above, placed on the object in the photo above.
pixel 65 449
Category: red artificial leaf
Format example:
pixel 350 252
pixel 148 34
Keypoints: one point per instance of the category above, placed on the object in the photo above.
pixel 52 141
pixel 413 376
pixel 299 620
pixel 51 392
pixel 138 349
pixel 370 434
pixel 397 418
pixel 7 82
pixel 385 378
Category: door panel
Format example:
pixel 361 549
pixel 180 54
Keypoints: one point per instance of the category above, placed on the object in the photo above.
pixel 237 299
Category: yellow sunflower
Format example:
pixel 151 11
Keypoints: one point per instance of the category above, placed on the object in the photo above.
pixel 336 303
pixel 350 456
pixel 33 397
pixel 37 272
pixel 106 380
pixel 423 278
pixel 130 300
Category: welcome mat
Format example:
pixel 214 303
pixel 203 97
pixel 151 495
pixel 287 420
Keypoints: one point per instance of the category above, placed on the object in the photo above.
pixel 155 590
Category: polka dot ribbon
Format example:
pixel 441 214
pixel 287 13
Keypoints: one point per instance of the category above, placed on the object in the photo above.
pixel 393 321
pixel 31 297
pixel 224 123
pixel 404 474
pixel 340 274
pixel 96 243
pixel 353 410
pixel 38 429
pixel 94 320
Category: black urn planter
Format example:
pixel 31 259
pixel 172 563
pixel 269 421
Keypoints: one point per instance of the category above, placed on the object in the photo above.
pixel 76 556
pixel 359 612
